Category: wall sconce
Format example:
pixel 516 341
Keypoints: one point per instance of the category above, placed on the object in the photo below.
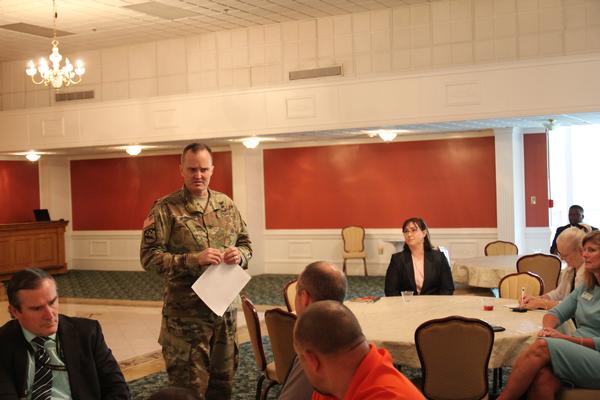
pixel 32 156
pixel 133 150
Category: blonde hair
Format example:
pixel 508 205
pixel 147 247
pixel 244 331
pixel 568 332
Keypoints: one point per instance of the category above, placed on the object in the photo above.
pixel 571 237
pixel 589 278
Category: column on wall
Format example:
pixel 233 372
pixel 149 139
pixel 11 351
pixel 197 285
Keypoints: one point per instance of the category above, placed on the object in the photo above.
pixel 248 194
pixel 55 194
pixel 510 196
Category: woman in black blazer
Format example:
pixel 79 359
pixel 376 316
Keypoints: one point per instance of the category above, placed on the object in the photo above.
pixel 418 268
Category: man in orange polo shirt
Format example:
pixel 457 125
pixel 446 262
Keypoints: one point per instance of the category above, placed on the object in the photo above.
pixel 340 363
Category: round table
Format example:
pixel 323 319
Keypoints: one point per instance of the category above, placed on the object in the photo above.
pixel 391 323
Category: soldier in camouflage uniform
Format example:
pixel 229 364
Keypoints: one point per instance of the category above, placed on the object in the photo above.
pixel 184 233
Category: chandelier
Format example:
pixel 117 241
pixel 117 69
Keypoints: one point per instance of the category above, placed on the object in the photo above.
pixel 56 75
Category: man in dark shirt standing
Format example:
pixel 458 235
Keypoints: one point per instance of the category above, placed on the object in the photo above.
pixel 575 220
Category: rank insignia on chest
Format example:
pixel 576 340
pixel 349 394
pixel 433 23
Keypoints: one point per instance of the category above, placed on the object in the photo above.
pixel 150 235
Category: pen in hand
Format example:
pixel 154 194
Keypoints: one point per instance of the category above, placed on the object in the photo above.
pixel 522 301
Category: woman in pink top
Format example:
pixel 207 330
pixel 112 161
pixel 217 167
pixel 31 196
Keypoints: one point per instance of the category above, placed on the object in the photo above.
pixel 419 267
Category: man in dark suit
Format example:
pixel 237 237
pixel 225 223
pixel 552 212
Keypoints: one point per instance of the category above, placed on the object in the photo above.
pixel 575 220
pixel 45 355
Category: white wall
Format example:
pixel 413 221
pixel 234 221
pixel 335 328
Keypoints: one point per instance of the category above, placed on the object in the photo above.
pixel 421 37
pixel 565 85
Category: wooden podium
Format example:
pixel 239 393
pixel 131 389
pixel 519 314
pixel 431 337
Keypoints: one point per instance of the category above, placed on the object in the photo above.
pixel 32 244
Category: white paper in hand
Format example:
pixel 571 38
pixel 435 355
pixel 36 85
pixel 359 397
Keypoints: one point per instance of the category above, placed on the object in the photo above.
pixel 219 285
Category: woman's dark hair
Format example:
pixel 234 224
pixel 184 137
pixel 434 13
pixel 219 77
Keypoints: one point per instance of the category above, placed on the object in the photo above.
pixel 422 226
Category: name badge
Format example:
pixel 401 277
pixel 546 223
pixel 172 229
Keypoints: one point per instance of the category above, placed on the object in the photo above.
pixel 587 296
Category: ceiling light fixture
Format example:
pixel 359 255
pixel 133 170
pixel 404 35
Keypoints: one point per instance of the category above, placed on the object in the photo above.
pixel 133 150
pixel 251 142
pixel 32 156
pixel 549 125
pixel 57 75
pixel 387 135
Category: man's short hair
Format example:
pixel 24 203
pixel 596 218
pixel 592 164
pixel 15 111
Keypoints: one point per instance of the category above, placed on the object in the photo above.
pixel 571 237
pixel 27 279
pixel 576 207
pixel 328 327
pixel 194 148
pixel 322 284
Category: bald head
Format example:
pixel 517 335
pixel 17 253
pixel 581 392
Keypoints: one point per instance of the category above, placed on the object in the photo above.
pixel 324 281
pixel 342 329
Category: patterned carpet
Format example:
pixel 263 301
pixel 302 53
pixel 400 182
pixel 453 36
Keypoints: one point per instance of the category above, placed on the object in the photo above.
pixel 132 285
pixel 244 385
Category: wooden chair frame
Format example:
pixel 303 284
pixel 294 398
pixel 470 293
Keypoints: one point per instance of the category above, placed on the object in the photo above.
pixel 485 250
pixel 484 370
pixel 280 325
pixel 252 319
pixel 549 284
pixel 289 300
pixel 509 276
pixel 362 249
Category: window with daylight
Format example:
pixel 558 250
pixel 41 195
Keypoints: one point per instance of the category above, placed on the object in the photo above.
pixel 573 172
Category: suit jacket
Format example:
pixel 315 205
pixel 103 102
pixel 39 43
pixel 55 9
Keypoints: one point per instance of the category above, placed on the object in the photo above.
pixel 92 369
pixel 584 227
pixel 400 275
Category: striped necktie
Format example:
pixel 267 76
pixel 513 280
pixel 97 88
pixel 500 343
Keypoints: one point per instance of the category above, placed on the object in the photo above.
pixel 42 380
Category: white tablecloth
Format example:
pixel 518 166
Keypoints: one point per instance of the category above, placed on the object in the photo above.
pixel 483 271
pixel 391 323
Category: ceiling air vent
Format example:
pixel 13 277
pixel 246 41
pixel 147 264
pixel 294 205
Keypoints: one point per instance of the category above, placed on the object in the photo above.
pixel 315 73
pixel 87 94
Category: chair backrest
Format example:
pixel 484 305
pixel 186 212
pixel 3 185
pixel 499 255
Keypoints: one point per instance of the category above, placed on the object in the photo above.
pixel 511 284
pixel 446 252
pixel 280 325
pixel 253 324
pixel 289 295
pixel 454 354
pixel 547 266
pixel 501 248
pixel 354 239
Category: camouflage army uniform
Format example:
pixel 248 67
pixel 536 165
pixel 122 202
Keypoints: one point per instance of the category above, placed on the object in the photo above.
pixel 199 347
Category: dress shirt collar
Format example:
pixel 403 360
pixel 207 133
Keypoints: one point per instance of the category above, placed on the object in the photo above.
pixel 30 336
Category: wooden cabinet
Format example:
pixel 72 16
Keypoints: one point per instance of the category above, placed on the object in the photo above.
pixel 32 244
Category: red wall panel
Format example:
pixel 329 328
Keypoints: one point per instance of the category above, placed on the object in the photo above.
pixel 19 191
pixel 450 183
pixel 536 179
pixel 117 193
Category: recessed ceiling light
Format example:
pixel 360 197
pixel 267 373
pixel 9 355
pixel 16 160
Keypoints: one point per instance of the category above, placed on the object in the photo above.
pixel 133 150
pixel 32 156
pixel 387 135
pixel 252 142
